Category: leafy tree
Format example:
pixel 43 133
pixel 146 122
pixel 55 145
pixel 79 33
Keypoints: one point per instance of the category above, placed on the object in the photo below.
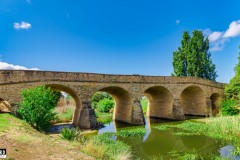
pixel 58 95
pixel 105 105
pixel 232 90
pixel 193 57
pixel 37 107
pixel 229 107
pixel 98 96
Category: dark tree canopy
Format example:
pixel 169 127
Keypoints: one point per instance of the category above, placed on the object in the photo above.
pixel 193 58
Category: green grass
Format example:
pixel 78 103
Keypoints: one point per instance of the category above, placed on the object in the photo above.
pixel 4 122
pixel 104 118
pixel 105 147
pixel 64 116
pixel 144 103
pixel 131 132
pixel 162 127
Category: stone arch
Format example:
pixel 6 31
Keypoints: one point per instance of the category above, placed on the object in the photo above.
pixel 123 103
pixel 193 101
pixel 5 107
pixel 160 102
pixel 71 92
pixel 214 100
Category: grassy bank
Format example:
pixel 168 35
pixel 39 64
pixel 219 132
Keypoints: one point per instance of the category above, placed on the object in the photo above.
pixel 105 147
pixel 23 142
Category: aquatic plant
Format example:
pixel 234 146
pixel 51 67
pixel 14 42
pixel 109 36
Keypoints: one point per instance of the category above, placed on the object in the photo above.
pixel 133 132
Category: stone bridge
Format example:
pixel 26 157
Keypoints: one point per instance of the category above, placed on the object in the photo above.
pixel 169 97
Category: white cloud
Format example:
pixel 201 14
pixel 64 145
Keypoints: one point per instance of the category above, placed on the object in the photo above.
pixel 214 36
pixel 206 32
pixel 7 66
pixel 218 45
pixel 178 21
pixel 233 30
pixel 218 39
pixel 22 25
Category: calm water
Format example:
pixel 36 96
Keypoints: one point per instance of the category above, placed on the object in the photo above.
pixel 155 142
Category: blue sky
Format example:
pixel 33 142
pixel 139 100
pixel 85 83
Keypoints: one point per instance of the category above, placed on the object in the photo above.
pixel 116 37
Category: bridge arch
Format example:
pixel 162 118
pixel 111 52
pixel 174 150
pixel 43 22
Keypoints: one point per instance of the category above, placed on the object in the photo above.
pixel 160 102
pixel 193 101
pixel 214 100
pixel 5 107
pixel 123 103
pixel 73 94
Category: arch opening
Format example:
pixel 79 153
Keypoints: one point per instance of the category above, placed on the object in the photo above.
pixel 5 107
pixel 145 104
pixel 103 104
pixel 122 111
pixel 68 106
pixel 193 101
pixel 215 97
pixel 160 102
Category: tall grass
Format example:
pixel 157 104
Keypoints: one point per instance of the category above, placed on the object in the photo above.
pixel 64 114
pixel 105 147
pixel 70 133
pixel 227 129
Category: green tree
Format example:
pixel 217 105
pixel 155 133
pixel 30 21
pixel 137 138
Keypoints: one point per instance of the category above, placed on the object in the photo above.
pixel 193 58
pixel 58 95
pixel 232 90
pixel 105 105
pixel 98 96
pixel 37 107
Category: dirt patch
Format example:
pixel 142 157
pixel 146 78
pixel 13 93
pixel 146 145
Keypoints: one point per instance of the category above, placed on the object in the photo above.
pixel 53 149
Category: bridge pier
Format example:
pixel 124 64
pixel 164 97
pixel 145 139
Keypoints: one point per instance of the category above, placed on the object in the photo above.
pixel 209 106
pixel 87 118
pixel 137 113
pixel 177 110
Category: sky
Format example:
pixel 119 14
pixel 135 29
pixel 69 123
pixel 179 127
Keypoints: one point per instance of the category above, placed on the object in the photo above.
pixel 114 37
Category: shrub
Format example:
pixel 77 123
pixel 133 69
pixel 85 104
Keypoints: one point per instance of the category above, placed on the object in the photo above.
pixel 70 134
pixel 37 107
pixel 229 107
pixel 97 97
pixel 105 105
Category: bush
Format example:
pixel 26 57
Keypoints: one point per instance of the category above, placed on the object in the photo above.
pixel 70 134
pixel 97 97
pixel 229 107
pixel 105 105
pixel 37 107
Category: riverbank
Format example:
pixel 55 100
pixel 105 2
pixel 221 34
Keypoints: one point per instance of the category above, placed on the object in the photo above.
pixel 23 142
